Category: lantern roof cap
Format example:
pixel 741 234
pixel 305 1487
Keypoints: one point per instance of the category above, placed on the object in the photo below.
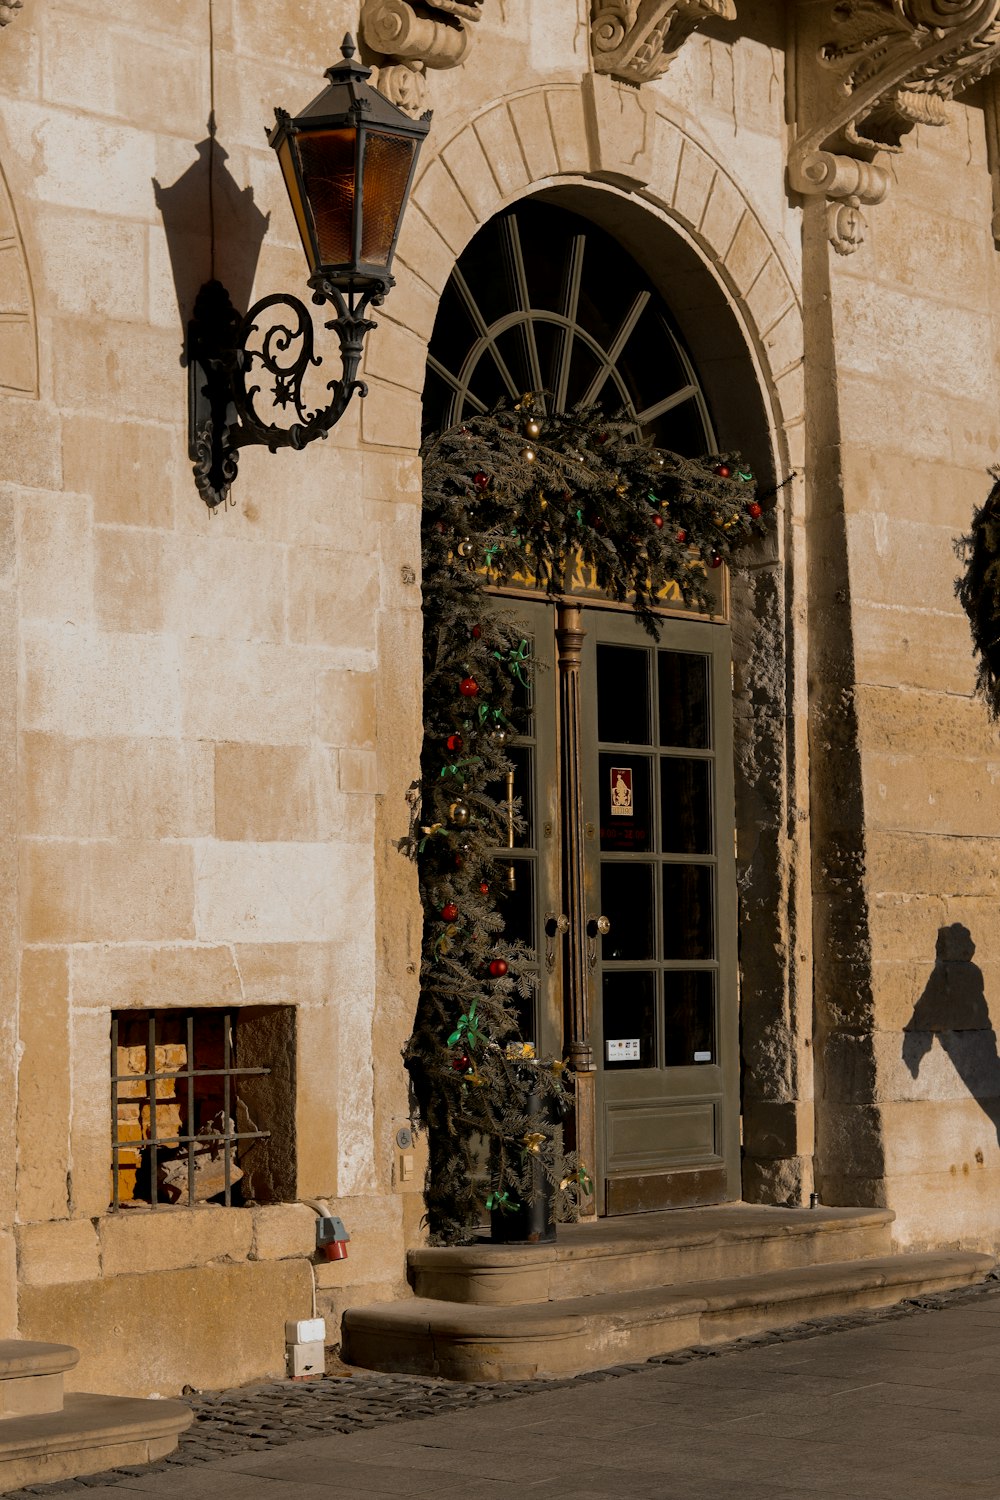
pixel 349 99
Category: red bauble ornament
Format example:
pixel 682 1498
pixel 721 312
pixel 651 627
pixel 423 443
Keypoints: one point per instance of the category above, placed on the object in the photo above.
pixel 755 509
pixel 723 471
pixel 682 537
pixel 484 888
pixel 449 912
pixel 462 1063
pixel 481 480
pixel 454 742
pixel 498 968
pixel 715 560
pixel 476 632
pixel 468 687
pixel 657 520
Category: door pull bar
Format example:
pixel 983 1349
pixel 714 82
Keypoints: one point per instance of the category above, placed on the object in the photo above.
pixel 555 926
pixel 595 926
pixel 511 868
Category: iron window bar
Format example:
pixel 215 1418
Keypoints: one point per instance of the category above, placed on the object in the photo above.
pixel 155 1143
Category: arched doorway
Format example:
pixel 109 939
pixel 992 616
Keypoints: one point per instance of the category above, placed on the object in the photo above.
pixel 623 879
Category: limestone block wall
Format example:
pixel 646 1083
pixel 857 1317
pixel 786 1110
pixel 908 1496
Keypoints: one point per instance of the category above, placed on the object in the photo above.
pixel 910 1071
pixel 208 722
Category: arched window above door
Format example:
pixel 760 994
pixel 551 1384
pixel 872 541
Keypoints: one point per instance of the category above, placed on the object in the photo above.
pixel 542 299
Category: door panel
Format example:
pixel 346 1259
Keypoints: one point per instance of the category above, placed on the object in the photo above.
pixel 661 868
pixel 658 862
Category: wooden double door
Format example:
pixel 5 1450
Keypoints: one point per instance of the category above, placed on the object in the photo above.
pixel 622 880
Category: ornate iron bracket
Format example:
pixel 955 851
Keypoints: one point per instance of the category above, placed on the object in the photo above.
pixel 898 63
pixel 636 40
pixel 414 37
pixel 232 360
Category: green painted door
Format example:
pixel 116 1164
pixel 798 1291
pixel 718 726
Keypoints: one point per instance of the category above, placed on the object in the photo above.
pixel 657 870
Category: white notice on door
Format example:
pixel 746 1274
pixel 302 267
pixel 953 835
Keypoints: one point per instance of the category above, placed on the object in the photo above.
pixel 625 1050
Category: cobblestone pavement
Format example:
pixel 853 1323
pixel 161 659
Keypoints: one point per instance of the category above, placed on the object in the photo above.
pixel 254 1419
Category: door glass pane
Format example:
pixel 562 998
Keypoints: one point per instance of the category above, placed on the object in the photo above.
pixel 513 884
pixel 629 1021
pixel 686 803
pixel 688 919
pixel 626 810
pixel 627 902
pixel 623 695
pixel 689 1018
pixel 683 684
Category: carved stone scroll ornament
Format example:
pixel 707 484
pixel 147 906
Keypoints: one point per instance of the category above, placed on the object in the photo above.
pixel 8 10
pixel 417 35
pixel 636 40
pixel 900 63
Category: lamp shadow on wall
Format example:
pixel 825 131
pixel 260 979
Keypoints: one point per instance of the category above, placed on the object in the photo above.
pixel 953 1009
pixel 214 230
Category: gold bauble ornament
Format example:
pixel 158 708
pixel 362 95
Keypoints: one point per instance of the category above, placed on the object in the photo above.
pixel 533 428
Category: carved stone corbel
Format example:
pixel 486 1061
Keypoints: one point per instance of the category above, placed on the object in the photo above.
pixel 898 63
pixel 636 40
pixel 8 10
pixel 417 35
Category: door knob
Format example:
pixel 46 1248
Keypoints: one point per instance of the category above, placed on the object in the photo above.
pixel 596 926
pixel 555 926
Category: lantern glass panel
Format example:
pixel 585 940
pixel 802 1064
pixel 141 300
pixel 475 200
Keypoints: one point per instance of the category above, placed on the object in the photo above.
pixel 387 163
pixel 327 158
pixel 286 160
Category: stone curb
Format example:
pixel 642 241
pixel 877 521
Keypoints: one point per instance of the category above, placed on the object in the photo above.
pixel 253 1418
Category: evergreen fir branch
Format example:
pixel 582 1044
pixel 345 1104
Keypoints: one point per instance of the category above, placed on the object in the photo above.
pixel 502 500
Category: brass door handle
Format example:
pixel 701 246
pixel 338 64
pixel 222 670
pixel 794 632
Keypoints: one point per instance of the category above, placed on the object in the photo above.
pixel 555 926
pixel 596 926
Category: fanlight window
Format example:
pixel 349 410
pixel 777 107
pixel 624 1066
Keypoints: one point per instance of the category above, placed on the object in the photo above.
pixel 544 300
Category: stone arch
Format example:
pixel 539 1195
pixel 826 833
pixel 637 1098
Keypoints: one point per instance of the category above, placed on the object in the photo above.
pixel 561 141
pixel 18 339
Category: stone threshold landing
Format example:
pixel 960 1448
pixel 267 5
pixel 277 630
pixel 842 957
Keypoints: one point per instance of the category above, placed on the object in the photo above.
pixel 621 1290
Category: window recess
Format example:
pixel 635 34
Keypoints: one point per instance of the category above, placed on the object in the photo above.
pixel 202 1106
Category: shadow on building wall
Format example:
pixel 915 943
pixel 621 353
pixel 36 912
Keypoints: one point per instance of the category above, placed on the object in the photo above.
pixel 213 227
pixel 953 1009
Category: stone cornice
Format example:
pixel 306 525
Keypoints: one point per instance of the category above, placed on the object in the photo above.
pixel 895 64
pixel 636 40
pixel 414 35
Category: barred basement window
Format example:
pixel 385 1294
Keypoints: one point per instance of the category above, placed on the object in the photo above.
pixel 202 1106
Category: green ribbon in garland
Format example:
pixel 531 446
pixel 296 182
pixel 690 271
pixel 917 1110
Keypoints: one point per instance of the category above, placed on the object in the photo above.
pixel 456 766
pixel 502 1201
pixel 467 1027
pixel 515 661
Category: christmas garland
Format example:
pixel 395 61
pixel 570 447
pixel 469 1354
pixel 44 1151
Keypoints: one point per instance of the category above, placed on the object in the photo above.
pixel 978 591
pixel 511 494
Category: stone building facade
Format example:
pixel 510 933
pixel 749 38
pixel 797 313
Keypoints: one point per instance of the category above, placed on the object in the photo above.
pixel 209 721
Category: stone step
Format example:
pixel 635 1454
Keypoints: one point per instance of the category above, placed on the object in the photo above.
pixel 650 1250
pixel 466 1341
pixel 89 1434
pixel 31 1377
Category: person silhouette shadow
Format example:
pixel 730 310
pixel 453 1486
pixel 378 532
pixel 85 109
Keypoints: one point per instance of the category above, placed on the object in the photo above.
pixel 953 1008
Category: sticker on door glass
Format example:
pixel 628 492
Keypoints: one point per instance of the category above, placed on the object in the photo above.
pixel 625 1049
pixel 622 804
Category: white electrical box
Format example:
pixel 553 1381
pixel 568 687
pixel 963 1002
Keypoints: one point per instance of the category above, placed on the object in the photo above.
pixel 626 1049
pixel 306 1331
pixel 306 1359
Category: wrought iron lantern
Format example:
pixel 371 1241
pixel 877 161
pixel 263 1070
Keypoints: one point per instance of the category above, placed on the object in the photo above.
pixel 348 161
